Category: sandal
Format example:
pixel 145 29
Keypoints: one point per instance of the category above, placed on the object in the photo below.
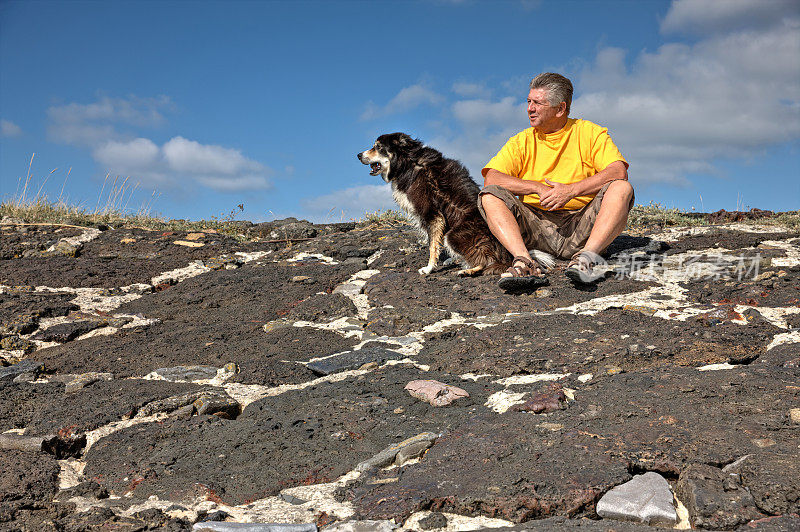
pixel 580 269
pixel 524 276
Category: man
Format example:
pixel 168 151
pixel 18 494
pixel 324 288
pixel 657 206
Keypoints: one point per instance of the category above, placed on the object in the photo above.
pixel 560 186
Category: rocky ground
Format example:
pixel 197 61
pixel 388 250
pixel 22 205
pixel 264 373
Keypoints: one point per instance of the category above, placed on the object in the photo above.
pixel 161 380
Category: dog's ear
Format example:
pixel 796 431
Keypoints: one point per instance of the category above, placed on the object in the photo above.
pixel 406 141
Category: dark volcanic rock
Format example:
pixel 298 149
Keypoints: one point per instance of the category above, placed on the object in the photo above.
pixel 390 321
pixel 477 296
pixel 117 258
pixel 298 437
pixel 64 332
pixel 712 502
pixel 773 478
pixel 724 238
pixel 723 216
pixel 352 360
pixel 563 343
pixel 323 307
pixel 45 408
pixel 20 310
pixel 214 319
pixel 778 290
pixel 30 240
pixel 27 476
pixel 26 366
pixel 499 466
pixel 28 482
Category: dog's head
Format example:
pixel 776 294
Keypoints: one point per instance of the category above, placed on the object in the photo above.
pixel 387 153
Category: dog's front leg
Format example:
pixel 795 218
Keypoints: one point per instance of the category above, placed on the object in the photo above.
pixel 435 239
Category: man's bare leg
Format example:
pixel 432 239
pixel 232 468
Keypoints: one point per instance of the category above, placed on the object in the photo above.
pixel 612 216
pixel 503 225
pixel 505 228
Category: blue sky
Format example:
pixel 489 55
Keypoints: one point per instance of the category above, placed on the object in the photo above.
pixel 265 104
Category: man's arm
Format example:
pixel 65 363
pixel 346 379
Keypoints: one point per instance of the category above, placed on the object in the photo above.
pixel 515 185
pixel 558 194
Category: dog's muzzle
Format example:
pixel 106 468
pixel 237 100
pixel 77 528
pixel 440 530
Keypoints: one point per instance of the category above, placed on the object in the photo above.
pixel 375 168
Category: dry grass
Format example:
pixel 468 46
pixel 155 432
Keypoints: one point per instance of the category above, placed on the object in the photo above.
pixel 112 208
pixel 383 219
pixel 654 214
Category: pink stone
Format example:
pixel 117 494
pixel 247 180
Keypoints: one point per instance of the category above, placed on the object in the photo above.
pixel 434 392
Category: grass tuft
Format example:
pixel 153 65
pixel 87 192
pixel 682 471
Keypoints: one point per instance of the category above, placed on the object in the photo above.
pixel 383 219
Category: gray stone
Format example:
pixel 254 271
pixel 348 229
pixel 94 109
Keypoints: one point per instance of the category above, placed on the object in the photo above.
pixel 65 248
pixel 351 360
pixel 386 457
pixel 21 443
pixel 291 499
pixel 51 444
pixel 362 526
pixel 210 402
pixel 65 332
pixel 78 382
pixel 219 404
pixel 187 373
pixel 348 289
pixel 433 521
pixel 25 366
pixel 215 526
pixel 413 450
pixel 646 498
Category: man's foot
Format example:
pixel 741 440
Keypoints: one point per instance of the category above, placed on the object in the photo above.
pixel 580 269
pixel 524 273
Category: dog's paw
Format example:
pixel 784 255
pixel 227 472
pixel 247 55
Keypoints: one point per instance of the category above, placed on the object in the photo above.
pixel 426 270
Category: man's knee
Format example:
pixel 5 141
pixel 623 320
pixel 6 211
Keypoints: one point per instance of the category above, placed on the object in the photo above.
pixel 491 197
pixel 621 189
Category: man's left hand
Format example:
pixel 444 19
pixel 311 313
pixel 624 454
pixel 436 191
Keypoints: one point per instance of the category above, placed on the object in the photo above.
pixel 555 197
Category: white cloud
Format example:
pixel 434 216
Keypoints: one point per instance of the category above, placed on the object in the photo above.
pixel 480 128
pixel 676 110
pixel 471 90
pixel 96 122
pixel 181 160
pixel 704 16
pixel 9 129
pixel 105 128
pixel 350 203
pixel 408 98
pixel 188 156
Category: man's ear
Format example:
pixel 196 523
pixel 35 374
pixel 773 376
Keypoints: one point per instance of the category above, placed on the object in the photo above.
pixel 562 109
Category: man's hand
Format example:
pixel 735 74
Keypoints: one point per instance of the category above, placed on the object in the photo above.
pixel 556 196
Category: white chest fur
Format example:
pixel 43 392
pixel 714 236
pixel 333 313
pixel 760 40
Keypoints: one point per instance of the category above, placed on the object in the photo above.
pixel 404 203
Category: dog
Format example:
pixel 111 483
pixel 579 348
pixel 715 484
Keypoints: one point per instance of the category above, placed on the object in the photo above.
pixel 442 199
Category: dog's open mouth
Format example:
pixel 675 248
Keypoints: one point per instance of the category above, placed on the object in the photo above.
pixel 375 168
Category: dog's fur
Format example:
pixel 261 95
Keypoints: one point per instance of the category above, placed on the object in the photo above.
pixel 441 198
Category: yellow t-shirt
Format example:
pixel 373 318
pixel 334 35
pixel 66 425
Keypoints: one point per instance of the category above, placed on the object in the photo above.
pixel 579 150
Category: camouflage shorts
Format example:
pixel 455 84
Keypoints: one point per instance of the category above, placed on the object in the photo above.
pixel 560 233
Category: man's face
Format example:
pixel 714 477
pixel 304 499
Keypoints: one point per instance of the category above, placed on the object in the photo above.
pixel 543 117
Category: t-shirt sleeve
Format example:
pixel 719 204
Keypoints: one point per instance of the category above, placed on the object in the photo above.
pixel 507 160
pixel 604 151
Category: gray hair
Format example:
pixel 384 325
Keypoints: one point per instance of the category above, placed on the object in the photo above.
pixel 559 88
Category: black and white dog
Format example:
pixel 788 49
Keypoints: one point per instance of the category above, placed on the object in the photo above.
pixel 441 198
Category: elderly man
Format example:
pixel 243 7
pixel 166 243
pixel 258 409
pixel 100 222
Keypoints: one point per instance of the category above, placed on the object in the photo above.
pixel 560 186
